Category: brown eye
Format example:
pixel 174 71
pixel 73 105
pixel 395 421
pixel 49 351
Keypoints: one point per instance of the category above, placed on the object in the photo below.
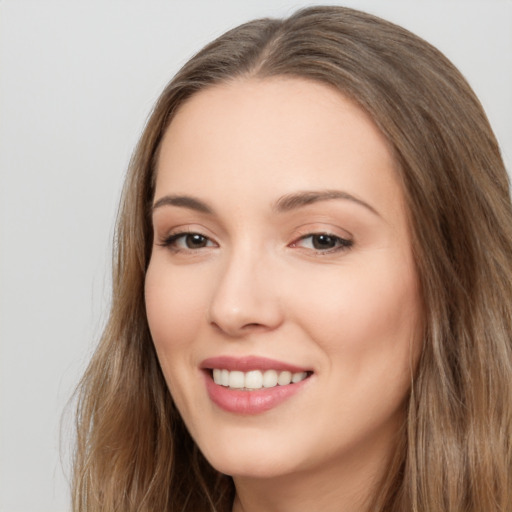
pixel 323 243
pixel 195 241
pixel 187 241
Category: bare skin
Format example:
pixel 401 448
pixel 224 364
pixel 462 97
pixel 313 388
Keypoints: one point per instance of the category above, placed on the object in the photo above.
pixel 281 233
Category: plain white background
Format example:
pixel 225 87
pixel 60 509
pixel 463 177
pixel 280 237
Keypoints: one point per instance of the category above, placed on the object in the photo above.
pixel 77 80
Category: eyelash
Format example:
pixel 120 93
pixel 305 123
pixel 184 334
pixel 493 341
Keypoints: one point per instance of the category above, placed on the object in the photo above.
pixel 171 241
pixel 341 244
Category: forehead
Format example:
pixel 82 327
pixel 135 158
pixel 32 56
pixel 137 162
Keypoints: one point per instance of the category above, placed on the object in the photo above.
pixel 288 132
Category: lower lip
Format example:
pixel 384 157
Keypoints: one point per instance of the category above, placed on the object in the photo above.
pixel 250 402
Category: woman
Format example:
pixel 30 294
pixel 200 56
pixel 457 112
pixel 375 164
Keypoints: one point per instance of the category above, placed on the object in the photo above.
pixel 312 298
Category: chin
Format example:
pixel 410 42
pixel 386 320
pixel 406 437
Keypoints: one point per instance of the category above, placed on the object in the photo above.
pixel 260 467
pixel 254 456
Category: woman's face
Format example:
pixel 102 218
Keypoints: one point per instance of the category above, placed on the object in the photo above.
pixel 282 253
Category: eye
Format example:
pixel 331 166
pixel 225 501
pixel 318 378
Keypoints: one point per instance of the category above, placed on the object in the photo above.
pixel 187 241
pixel 323 242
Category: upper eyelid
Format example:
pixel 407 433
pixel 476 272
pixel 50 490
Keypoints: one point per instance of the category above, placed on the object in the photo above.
pixel 182 233
pixel 184 229
pixel 327 233
pixel 323 229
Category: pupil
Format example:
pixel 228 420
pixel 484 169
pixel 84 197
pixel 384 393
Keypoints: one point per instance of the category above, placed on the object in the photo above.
pixel 323 242
pixel 195 241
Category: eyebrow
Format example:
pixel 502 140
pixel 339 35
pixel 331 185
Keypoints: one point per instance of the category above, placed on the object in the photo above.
pixel 192 203
pixel 300 199
pixel 283 204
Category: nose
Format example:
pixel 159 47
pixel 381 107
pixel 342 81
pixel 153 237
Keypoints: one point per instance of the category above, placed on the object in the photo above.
pixel 246 297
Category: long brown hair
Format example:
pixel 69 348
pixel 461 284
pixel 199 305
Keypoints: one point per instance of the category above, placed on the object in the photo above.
pixel 133 452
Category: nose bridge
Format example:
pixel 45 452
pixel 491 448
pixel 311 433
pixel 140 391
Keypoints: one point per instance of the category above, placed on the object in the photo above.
pixel 245 296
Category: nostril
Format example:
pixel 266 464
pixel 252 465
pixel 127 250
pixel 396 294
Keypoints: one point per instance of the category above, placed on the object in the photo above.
pixel 253 326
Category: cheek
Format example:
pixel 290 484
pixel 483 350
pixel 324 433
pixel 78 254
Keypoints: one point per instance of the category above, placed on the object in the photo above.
pixel 365 317
pixel 174 307
pixel 367 328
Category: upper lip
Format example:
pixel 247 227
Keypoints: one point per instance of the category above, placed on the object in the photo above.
pixel 248 363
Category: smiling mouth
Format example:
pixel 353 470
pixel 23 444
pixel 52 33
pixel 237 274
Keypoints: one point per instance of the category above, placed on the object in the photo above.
pixel 255 379
pixel 252 385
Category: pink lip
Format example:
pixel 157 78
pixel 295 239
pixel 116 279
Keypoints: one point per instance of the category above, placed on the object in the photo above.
pixel 248 363
pixel 249 402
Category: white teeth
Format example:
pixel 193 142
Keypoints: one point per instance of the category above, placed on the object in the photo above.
pixel 284 378
pixel 236 380
pixel 255 379
pixel 297 377
pixel 270 379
